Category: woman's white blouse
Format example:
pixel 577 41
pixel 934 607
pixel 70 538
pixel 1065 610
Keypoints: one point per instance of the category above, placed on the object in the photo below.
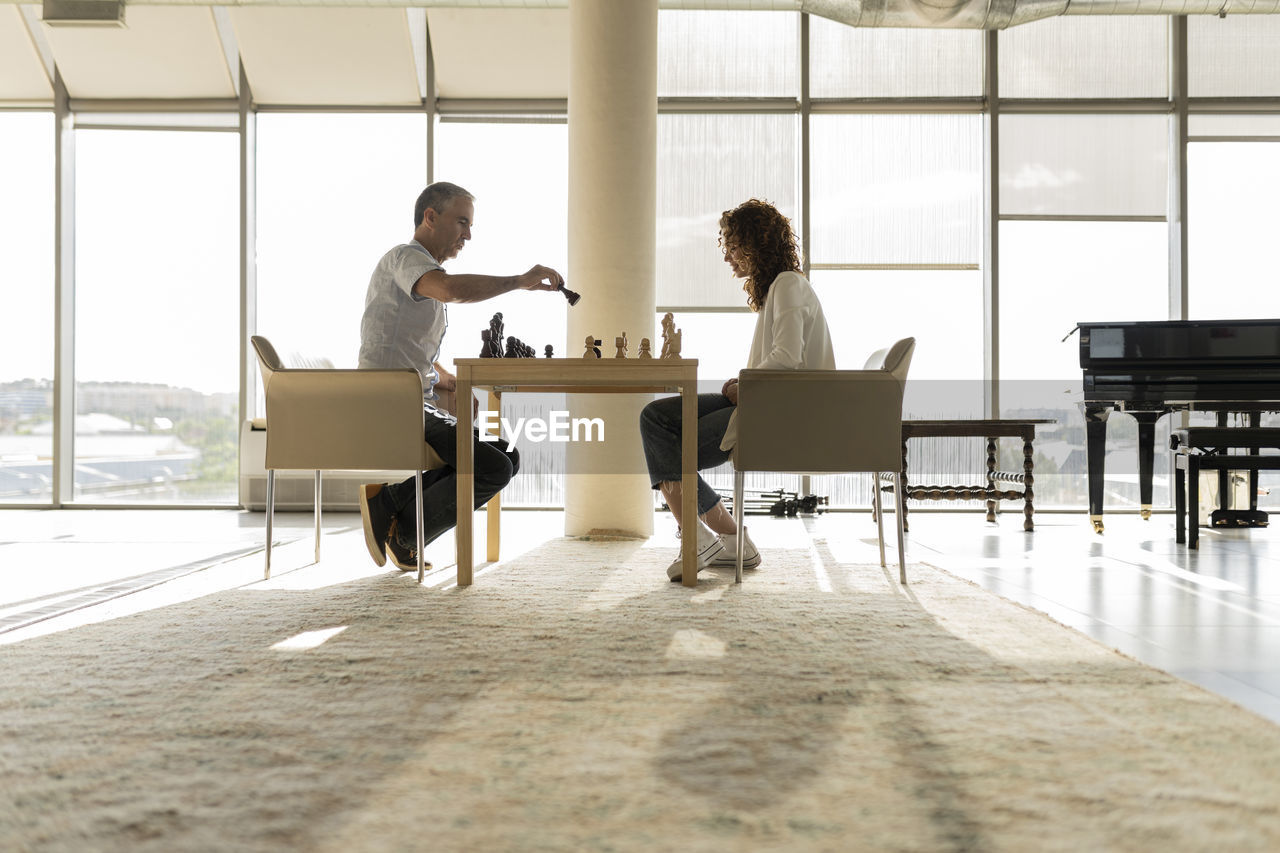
pixel 791 334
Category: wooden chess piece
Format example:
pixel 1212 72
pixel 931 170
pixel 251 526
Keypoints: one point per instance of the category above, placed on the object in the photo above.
pixel 511 348
pixel 621 343
pixel 674 350
pixel 486 349
pixel 644 349
pixel 593 347
pixel 548 352
pixel 668 328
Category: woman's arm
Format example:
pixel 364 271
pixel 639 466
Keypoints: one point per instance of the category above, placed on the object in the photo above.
pixel 787 305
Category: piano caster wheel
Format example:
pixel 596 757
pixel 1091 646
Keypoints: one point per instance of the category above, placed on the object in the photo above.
pixel 1145 512
pixel 1097 524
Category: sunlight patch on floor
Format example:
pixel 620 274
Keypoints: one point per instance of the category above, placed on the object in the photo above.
pixel 309 639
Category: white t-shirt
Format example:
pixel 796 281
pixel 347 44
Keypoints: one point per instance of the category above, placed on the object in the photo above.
pixel 400 328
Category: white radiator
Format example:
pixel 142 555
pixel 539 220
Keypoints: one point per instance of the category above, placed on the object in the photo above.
pixel 295 490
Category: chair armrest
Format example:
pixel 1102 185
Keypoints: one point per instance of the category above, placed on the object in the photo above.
pixel 345 419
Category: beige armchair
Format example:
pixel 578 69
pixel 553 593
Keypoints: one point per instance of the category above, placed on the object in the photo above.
pixel 825 421
pixel 341 420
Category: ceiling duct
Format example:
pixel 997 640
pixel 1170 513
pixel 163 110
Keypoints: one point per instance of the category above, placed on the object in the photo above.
pixel 83 13
pixel 1001 14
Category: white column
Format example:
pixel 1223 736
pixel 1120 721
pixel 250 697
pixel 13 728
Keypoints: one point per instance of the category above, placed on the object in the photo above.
pixel 613 111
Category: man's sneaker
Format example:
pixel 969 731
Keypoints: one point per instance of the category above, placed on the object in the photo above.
pixel 377 521
pixel 404 558
pixel 729 556
pixel 709 546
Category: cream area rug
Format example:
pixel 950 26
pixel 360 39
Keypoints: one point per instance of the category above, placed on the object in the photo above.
pixel 573 699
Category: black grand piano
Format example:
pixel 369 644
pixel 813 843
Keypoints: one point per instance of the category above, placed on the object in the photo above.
pixel 1149 369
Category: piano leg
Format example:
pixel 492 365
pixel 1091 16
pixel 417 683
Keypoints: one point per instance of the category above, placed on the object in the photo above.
pixel 1193 501
pixel 1095 424
pixel 1146 458
pixel 1179 499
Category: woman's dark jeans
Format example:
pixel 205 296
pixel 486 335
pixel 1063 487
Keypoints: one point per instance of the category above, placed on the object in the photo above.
pixel 660 433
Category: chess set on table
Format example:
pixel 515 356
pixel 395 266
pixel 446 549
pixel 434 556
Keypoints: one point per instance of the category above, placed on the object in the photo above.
pixel 492 340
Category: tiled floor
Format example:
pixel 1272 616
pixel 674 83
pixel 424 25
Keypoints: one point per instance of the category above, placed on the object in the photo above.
pixel 1210 616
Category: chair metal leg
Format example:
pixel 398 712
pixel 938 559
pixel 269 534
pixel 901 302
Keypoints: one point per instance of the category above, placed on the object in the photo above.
pixel 738 514
pixel 271 505
pixel 900 513
pixel 417 494
pixel 879 511
pixel 317 515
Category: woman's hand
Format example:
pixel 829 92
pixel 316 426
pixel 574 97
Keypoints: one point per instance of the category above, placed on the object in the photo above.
pixel 730 390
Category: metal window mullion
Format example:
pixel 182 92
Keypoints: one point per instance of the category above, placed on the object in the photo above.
pixel 805 195
pixel 248 247
pixel 1179 290
pixel 806 486
pixel 991 230
pixel 64 302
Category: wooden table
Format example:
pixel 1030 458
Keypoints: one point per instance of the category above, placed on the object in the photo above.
pixel 579 376
pixel 991 430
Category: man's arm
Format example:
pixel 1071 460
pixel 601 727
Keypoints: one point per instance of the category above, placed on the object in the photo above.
pixel 447 381
pixel 443 287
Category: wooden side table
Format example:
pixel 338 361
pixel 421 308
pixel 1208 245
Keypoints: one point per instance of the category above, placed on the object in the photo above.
pixel 991 430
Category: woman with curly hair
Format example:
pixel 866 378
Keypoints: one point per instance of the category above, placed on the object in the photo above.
pixel 791 333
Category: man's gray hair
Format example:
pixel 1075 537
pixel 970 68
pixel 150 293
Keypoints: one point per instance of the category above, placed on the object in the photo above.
pixel 437 197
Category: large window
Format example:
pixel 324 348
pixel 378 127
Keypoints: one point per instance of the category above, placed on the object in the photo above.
pixel 1054 274
pixel 335 192
pixel 1234 196
pixel 26 280
pixel 707 164
pixel 519 175
pixel 1086 56
pixel 157 316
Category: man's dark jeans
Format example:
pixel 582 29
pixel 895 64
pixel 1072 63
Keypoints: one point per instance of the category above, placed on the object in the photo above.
pixel 496 463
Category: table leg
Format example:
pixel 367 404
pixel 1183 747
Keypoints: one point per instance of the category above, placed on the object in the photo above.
pixel 991 479
pixel 1028 481
pixel 466 478
pixel 900 483
pixel 493 509
pixel 689 482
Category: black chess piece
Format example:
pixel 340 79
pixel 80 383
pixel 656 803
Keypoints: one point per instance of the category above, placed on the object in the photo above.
pixel 511 348
pixel 495 334
pixel 569 295
pixel 486 349
pixel 548 352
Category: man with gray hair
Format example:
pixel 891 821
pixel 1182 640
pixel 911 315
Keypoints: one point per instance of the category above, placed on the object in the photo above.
pixel 403 326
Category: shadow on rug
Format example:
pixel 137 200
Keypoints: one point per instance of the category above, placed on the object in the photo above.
pixel 574 699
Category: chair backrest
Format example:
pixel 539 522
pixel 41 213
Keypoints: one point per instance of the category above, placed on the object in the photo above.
pixel 895 359
pixel 824 421
pixel 268 359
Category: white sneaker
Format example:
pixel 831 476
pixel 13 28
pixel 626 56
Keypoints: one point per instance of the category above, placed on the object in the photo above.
pixel 729 556
pixel 709 547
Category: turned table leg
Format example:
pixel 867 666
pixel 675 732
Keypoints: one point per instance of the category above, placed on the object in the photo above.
pixel 1028 479
pixel 991 477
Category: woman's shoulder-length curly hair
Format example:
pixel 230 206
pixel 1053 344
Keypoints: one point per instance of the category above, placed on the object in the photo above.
pixel 765 242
